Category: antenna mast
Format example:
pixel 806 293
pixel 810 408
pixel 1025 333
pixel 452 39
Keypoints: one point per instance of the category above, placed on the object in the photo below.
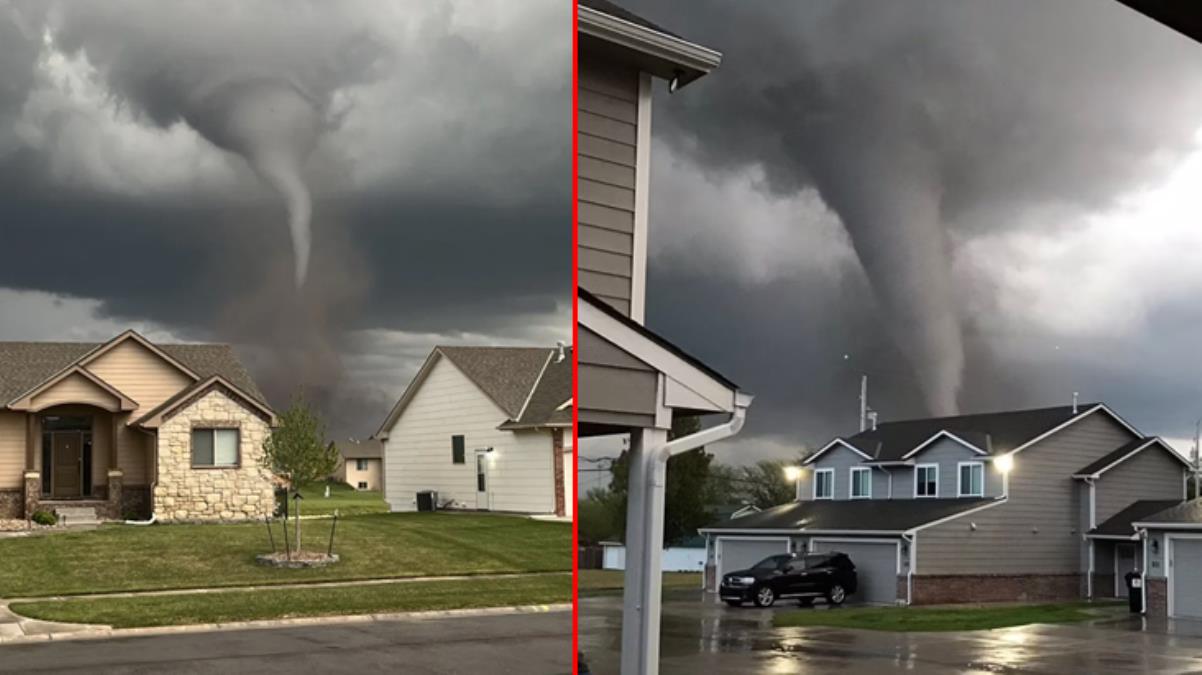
pixel 863 402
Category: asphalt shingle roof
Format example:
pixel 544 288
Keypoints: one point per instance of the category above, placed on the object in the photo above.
pixel 505 374
pixel 553 390
pixel 1120 523
pixel 995 433
pixel 366 449
pixel 1185 513
pixel 24 365
pixel 885 515
pixel 607 7
pixel 1110 457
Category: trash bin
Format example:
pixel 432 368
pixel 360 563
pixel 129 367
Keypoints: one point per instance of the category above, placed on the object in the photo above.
pixel 1135 596
pixel 427 500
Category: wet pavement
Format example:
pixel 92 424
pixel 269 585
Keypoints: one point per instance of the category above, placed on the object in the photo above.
pixel 700 636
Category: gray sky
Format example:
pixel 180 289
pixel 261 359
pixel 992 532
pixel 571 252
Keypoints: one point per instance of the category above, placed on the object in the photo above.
pixel 1045 157
pixel 138 148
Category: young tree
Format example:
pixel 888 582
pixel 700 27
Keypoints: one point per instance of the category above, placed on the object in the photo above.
pixel 764 484
pixel 297 450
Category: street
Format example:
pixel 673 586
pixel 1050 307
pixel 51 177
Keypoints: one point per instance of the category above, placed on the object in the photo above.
pixel 514 643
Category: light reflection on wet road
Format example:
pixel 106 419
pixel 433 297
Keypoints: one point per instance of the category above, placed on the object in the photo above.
pixel 706 637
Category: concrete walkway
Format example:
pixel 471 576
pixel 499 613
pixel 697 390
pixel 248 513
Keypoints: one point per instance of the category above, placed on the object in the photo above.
pixel 17 628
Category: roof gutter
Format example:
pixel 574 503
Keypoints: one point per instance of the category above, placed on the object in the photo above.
pixel 690 60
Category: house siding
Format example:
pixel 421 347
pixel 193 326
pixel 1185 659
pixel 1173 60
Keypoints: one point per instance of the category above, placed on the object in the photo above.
pixel 612 382
pixel 842 460
pixel 145 377
pixel 947 454
pixel 1037 530
pixel 607 148
pixel 418 450
pixel 351 475
pixel 75 388
pixel 12 450
pixel 1151 474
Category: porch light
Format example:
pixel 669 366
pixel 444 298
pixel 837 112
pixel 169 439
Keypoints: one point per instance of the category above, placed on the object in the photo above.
pixel 792 473
pixel 1004 463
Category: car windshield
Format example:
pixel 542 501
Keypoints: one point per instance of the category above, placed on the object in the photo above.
pixel 772 562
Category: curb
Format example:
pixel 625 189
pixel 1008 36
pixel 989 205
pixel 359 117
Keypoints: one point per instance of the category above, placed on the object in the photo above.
pixel 103 632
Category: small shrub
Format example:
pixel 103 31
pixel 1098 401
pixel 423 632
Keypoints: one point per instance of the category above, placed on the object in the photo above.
pixel 44 518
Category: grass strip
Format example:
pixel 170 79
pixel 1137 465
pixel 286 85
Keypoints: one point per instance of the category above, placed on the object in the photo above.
pixel 282 603
pixel 937 619
pixel 606 582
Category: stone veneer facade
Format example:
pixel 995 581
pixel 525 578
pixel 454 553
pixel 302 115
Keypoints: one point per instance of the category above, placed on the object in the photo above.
pixel 184 493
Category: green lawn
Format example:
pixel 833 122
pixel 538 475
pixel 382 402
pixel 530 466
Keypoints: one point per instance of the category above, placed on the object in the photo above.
pixel 920 619
pixel 127 558
pixel 599 582
pixel 291 602
pixel 343 498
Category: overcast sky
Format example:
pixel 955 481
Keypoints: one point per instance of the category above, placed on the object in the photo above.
pixel 149 159
pixel 982 205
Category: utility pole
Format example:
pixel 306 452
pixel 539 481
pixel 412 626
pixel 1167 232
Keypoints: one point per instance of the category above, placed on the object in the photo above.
pixel 863 402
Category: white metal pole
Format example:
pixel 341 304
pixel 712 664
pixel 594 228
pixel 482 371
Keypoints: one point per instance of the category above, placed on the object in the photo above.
pixel 644 552
pixel 863 402
pixel 1197 453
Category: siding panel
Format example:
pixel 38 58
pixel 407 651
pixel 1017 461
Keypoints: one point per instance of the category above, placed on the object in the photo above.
pixel 1149 475
pixel 12 450
pixel 617 108
pixel 606 217
pixel 602 261
pixel 605 284
pixel 607 172
pixel 605 240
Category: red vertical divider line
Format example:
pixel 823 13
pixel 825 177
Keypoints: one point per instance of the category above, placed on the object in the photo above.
pixel 575 365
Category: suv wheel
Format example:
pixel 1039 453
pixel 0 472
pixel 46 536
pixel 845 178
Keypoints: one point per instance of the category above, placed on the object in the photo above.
pixel 764 597
pixel 835 595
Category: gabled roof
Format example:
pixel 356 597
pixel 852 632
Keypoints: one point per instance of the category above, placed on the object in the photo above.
pixel 854 515
pixel 506 375
pixel 1123 453
pixel 26 365
pixel 370 448
pixel 162 412
pixel 1186 515
pixel 1120 524
pixel 837 443
pixel 545 406
pixel 24 402
pixel 612 9
pixel 997 433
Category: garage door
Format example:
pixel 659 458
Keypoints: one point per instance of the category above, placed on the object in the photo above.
pixel 739 554
pixel 1186 569
pixel 876 568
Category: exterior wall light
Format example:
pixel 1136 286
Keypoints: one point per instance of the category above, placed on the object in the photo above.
pixel 792 473
pixel 1004 463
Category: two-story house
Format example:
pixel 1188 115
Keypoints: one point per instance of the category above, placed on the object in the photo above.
pixel 631 380
pixel 1018 505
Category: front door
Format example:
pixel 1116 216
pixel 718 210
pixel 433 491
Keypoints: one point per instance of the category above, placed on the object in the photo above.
pixel 482 481
pixel 1124 562
pixel 67 457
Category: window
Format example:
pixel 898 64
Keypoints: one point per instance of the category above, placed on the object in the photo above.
pixel 861 483
pixel 824 484
pixel 361 465
pixel 926 480
pixel 972 480
pixel 214 447
pixel 362 485
pixel 457 450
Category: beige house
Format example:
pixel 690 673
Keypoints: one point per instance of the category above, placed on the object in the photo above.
pixel 486 429
pixel 130 428
pixel 362 464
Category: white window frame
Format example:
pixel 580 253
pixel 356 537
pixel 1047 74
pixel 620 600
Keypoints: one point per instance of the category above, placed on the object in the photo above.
pixel 918 469
pixel 818 472
pixel 851 482
pixel 960 479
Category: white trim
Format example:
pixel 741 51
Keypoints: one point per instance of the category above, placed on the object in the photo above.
pixel 937 436
pixel 534 387
pixel 920 467
pixel 1167 526
pixel 815 485
pixel 1093 504
pixel 1113 537
pixel 718 551
pixel 798 532
pixel 642 201
pixel 1073 420
pixel 661 358
pixel 933 523
pixel 1169 570
pixel 1143 578
pixel 648 41
pixel 1089 575
pixel 960 479
pixel 851 482
pixel 833 444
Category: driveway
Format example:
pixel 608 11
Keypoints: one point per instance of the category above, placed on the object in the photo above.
pixel 703 636
pixel 537 644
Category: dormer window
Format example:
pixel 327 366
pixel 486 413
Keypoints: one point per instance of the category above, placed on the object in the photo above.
pixel 926 480
pixel 824 484
pixel 972 479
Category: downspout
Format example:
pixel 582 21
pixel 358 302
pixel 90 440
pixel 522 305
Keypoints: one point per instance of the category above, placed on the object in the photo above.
pixel 911 540
pixel 644 536
pixel 1092 524
pixel 1143 576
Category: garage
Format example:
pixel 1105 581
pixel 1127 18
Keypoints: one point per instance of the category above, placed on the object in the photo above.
pixel 739 553
pixel 876 567
pixel 1185 563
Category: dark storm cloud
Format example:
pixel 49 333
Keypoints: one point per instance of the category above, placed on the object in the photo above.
pixel 921 125
pixel 133 171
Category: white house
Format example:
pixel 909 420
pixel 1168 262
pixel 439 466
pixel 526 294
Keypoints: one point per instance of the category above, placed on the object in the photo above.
pixel 485 428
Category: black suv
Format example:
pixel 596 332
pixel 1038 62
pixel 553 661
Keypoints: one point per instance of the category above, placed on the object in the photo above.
pixel 791 575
